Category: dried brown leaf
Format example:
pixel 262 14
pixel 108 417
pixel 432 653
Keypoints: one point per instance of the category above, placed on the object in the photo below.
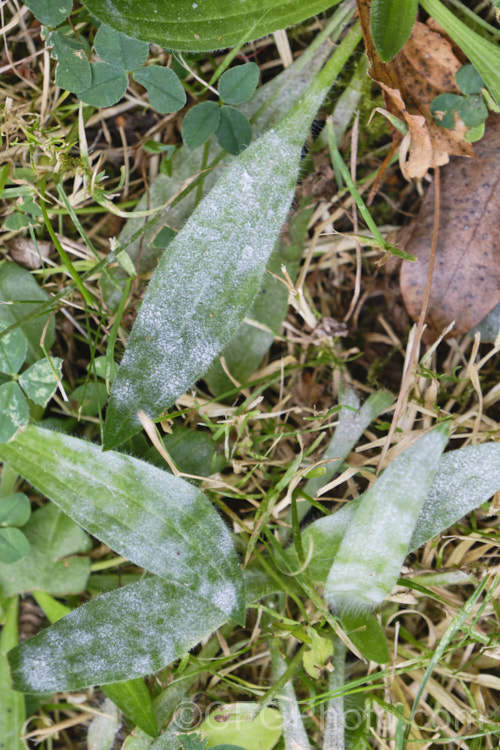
pixel 466 280
pixel 424 68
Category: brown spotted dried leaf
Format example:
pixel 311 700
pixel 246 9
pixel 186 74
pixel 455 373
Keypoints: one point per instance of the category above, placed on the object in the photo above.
pixel 466 279
pixel 424 68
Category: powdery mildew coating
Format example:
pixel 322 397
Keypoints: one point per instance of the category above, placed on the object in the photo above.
pixel 206 281
pixel 376 542
pixel 210 274
pixel 158 521
pixel 127 633
pixel 466 478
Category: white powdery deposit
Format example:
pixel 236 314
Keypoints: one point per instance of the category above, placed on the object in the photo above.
pixel 210 274
pixel 376 542
pixel 124 634
pixel 158 521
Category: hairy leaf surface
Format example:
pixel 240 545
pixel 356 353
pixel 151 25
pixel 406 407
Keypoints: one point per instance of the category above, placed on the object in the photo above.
pixel 465 479
pixel 371 553
pixel 212 271
pixel 127 633
pixel 158 521
pixel 205 25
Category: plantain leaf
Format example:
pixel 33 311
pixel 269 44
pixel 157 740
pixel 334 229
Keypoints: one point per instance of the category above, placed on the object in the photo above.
pixel 265 108
pixel 207 280
pixel 371 553
pixel 127 633
pixel 465 479
pixel 205 25
pixel 157 520
pixel 391 22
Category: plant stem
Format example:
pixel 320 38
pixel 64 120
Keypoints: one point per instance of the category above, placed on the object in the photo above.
pixel 334 730
pixel 293 728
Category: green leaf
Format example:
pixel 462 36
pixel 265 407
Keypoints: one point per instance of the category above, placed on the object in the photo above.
pixel 192 742
pixel 247 348
pixel 13 350
pixel 473 111
pixel 365 632
pixel 99 367
pixel 119 50
pixel 165 91
pixel 127 633
pixel 17 221
pixel 318 655
pixel 352 422
pixel 12 708
pixel 88 399
pixel 192 451
pixel 265 108
pixel 52 608
pixel 446 105
pixel 199 123
pixel 391 22
pixel 158 521
pixel 465 479
pixel 50 12
pixel 234 132
pixel 206 282
pixel 15 509
pixel 202 26
pixel 50 565
pixel 234 724
pixel 484 55
pixel 373 549
pixel 238 84
pixel 107 86
pixel 134 699
pixel 73 68
pixel 39 381
pixel 14 410
pixel 468 80
pixel 13 546
pixel 19 287
pixel 104 727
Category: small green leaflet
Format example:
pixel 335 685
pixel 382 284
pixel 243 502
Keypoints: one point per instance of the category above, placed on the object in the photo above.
pixel 73 71
pixel 13 349
pixel 199 123
pixel 204 25
pixel 206 282
pixel 50 12
pixel 14 410
pixel 17 283
pixel 119 50
pixel 484 55
pixel 391 22
pixel 108 85
pixel 234 132
pixel 165 91
pixel 238 84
